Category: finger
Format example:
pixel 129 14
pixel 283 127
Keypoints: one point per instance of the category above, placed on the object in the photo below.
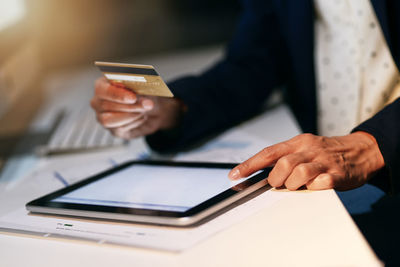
pixel 303 173
pixel 117 119
pixel 108 106
pixel 284 167
pixel 123 132
pixel 151 126
pixel 146 103
pixel 106 91
pixel 323 181
pixel 117 84
pixel 261 160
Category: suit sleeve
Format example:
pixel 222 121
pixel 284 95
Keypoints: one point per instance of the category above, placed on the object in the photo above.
pixel 233 89
pixel 385 127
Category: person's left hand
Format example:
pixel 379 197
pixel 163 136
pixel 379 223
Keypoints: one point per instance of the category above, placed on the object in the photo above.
pixel 317 162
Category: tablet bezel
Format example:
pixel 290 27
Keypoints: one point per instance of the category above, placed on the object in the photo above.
pixel 46 205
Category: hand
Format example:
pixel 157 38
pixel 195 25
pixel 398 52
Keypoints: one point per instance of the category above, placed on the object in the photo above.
pixel 317 162
pixel 128 115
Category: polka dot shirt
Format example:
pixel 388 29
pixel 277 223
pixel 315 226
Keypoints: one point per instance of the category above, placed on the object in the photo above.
pixel 356 74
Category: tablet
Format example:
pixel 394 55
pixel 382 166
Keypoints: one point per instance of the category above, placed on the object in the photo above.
pixel 156 192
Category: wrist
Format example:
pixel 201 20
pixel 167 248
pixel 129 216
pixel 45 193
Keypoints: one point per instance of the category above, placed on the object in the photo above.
pixel 366 137
pixel 175 109
pixel 376 161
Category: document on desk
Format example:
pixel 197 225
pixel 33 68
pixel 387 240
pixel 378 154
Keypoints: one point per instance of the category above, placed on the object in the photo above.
pixel 245 140
pixel 54 173
pixel 154 237
pixel 234 145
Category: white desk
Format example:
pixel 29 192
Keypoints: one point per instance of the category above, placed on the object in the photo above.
pixel 303 229
pixel 307 229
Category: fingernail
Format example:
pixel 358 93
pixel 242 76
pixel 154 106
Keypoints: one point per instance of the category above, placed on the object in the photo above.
pixel 130 99
pixel 234 174
pixel 147 104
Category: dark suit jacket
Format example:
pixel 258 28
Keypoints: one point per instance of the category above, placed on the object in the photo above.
pixel 274 46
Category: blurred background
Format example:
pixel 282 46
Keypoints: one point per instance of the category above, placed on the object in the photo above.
pixel 42 37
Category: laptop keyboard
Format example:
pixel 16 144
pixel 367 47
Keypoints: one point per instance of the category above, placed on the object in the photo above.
pixel 79 131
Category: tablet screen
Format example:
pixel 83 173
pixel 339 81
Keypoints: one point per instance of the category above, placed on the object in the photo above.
pixel 170 188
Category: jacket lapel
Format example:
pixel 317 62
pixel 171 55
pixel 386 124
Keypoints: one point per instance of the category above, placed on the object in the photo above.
pixel 380 8
pixel 387 14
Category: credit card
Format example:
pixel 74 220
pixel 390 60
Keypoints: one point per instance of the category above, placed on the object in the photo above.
pixel 141 79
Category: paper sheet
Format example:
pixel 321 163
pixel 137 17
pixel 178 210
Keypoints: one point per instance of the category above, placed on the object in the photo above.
pixel 244 141
pixel 155 237
pixel 54 173
pixel 232 147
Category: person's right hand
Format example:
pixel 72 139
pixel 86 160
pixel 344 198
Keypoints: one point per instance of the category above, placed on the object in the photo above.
pixel 128 115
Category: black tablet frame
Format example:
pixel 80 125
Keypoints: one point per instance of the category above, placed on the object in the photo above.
pixel 46 201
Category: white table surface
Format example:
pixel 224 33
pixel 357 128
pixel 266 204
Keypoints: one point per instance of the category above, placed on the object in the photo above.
pixel 305 229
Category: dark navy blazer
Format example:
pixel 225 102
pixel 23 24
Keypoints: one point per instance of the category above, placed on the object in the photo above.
pixel 274 47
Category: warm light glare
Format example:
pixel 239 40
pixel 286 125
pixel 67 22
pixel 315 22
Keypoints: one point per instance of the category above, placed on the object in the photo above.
pixel 10 12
